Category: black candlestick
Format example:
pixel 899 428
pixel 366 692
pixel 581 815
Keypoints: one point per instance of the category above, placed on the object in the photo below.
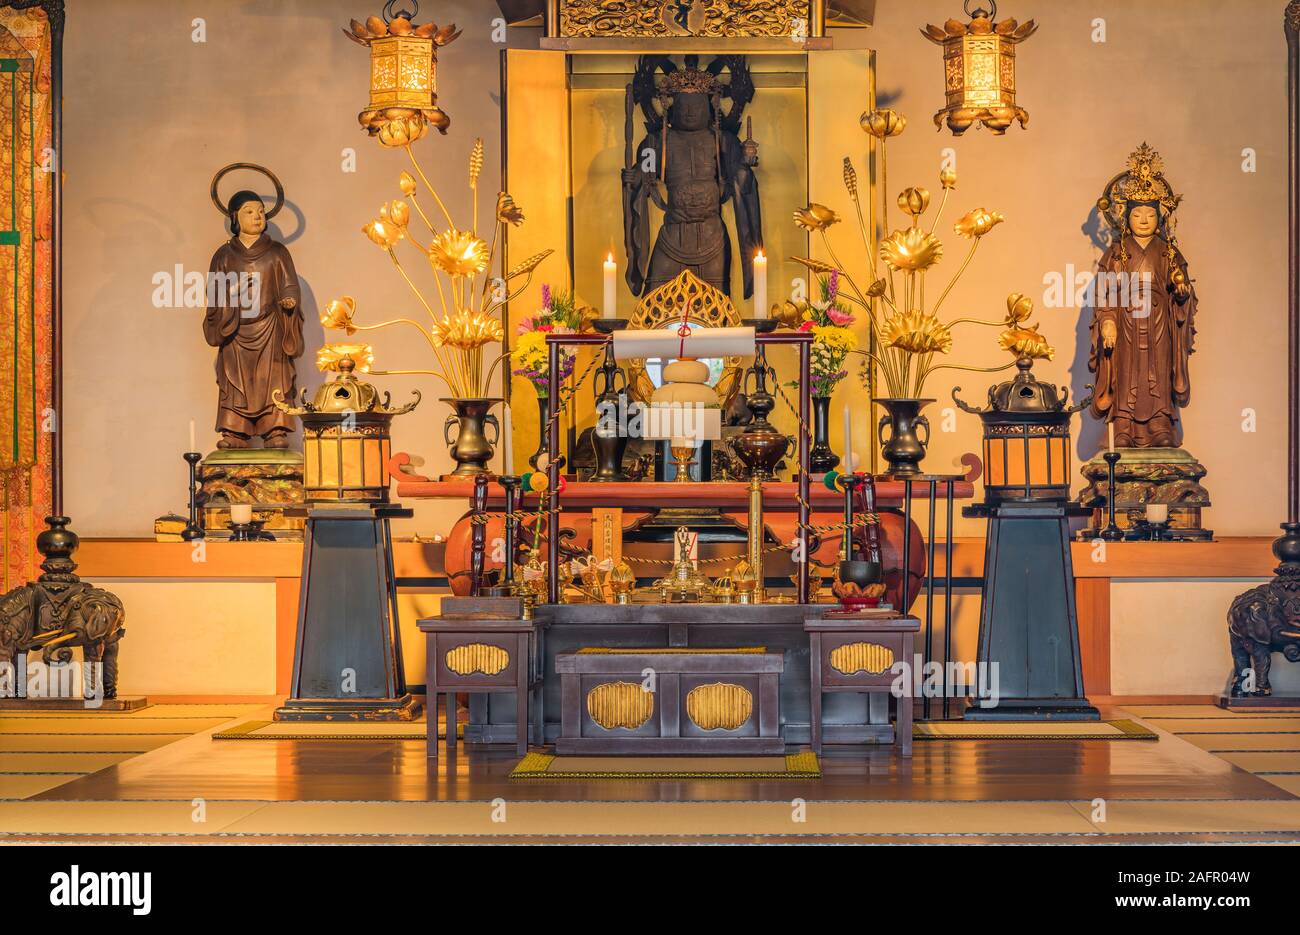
pixel 194 528
pixel 1112 532
pixel 510 484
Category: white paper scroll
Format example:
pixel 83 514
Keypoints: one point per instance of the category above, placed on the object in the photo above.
pixel 685 423
pixel 702 342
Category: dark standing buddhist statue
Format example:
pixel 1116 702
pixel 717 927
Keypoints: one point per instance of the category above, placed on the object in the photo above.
pixel 254 320
pixel 1144 310
pixel 689 164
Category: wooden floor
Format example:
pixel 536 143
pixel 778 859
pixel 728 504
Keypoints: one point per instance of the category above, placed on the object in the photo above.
pixel 378 791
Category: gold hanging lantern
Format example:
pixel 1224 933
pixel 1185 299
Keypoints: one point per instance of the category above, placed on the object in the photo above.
pixel 346 432
pixel 979 66
pixel 403 74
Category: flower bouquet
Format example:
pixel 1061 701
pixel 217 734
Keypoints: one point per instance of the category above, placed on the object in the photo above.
pixel 559 314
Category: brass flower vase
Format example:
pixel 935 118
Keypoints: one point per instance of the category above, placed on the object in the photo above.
pixel 904 449
pixel 471 449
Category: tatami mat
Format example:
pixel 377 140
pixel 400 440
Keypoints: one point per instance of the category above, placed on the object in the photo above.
pixel 20 786
pixel 149 712
pixel 1228 743
pixel 1250 725
pixel 94 725
pixel 1264 762
pixel 645 818
pixel 59 762
pixel 1289 783
pixel 84 743
pixel 1203 710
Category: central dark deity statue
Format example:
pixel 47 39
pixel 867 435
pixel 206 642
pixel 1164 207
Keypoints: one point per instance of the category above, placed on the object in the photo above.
pixel 690 163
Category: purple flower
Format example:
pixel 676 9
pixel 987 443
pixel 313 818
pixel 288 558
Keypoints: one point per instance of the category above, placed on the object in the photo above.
pixel 546 295
pixel 833 287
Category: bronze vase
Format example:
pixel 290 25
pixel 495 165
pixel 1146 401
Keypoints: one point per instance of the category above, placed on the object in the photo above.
pixel 821 459
pixel 904 449
pixel 471 449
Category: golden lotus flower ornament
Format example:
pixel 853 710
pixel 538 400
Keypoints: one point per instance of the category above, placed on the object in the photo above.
pixel 459 253
pixel 1026 343
pixel 338 314
pixel 383 232
pixel 883 124
pixel 911 250
pixel 948 177
pixel 1019 308
pixel 815 217
pixel 329 357
pixel 917 333
pixel 467 330
pixel 507 211
pixel 977 223
pixel 914 201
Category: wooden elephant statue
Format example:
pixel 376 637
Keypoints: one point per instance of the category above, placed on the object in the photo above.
pixel 1262 621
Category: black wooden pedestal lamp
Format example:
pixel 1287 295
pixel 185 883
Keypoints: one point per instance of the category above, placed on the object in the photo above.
pixel 347 661
pixel 1029 629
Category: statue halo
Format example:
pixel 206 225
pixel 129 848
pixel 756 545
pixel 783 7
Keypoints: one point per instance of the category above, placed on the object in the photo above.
pixel 225 170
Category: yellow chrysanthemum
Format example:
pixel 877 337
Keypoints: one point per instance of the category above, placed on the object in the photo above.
pixel 459 253
pixel 1026 342
pixel 329 356
pixel 530 349
pixel 815 217
pixel 835 337
pixel 467 330
pixel 977 223
pixel 912 250
pixel 916 332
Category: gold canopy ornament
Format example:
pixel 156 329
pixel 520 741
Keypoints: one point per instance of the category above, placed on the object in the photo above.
pixel 979 66
pixel 403 74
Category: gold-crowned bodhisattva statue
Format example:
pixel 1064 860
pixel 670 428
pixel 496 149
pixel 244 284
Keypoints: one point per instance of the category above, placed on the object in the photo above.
pixel 1144 311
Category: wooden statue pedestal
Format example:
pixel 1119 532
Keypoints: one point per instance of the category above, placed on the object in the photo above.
pixel 1170 476
pixel 269 478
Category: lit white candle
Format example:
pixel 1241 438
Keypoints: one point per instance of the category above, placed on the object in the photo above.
pixel 611 288
pixel 241 513
pixel 191 448
pixel 760 285
pixel 1110 429
pixel 1157 512
pixel 507 445
pixel 848 441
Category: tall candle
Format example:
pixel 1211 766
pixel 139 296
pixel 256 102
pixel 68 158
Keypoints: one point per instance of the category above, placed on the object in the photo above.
pixel 507 445
pixel 191 448
pixel 1110 429
pixel 611 288
pixel 848 441
pixel 760 285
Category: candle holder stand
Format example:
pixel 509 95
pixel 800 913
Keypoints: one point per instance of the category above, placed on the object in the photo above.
pixel 194 527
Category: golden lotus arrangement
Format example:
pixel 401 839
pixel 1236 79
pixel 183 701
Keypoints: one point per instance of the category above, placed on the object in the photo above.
pixel 906 330
pixel 465 315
